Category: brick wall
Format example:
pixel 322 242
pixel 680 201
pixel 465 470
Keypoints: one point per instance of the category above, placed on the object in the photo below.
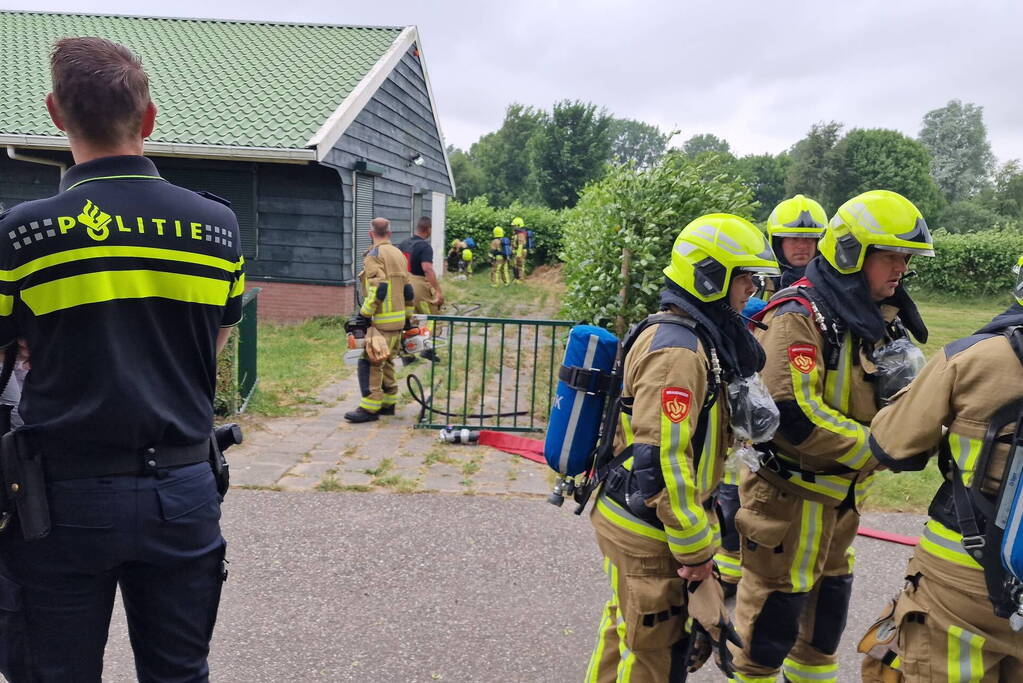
pixel 289 302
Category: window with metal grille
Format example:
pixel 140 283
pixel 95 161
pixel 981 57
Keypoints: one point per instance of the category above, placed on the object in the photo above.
pixel 360 221
pixel 236 186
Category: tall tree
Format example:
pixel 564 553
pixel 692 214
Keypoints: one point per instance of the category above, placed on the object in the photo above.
pixel 469 180
pixel 812 171
pixel 571 148
pixel 636 142
pixel 879 159
pixel 503 156
pixel 1008 190
pixel 764 174
pixel 961 158
pixel 705 142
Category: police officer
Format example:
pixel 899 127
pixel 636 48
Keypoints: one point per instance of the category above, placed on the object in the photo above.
pixel 500 254
pixel 651 516
pixel 944 625
pixel 419 253
pixel 800 507
pixel 123 288
pixel 793 227
pixel 387 306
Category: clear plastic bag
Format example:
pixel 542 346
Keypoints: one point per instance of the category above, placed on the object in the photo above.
pixel 743 453
pixel 897 362
pixel 754 416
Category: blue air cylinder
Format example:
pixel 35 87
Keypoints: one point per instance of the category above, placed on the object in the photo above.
pixel 576 415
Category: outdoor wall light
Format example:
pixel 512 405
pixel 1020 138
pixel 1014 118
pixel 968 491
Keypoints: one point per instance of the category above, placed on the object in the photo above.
pixel 417 159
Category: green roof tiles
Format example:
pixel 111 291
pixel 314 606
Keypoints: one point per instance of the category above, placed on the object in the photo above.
pixel 224 83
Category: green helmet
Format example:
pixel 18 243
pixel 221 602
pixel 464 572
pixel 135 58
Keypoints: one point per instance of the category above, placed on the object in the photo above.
pixel 517 222
pixel 879 219
pixel 710 249
pixel 1017 291
pixel 498 231
pixel 797 217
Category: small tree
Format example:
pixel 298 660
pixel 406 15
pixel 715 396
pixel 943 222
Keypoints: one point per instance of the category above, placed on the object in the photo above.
pixel 636 142
pixel 705 142
pixel 619 237
pixel 812 171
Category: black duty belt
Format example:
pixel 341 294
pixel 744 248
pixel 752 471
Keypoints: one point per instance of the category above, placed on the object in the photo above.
pixel 61 464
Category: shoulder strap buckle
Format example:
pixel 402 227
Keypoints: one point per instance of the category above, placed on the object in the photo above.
pixel 590 380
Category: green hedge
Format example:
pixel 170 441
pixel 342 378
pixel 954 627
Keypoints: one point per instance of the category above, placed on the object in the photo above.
pixel 477 218
pixel 971 264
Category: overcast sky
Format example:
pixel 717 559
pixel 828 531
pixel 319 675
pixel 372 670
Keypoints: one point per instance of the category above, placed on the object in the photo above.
pixel 756 73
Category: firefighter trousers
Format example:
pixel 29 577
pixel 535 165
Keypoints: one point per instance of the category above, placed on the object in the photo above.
pixel 376 382
pixel 727 558
pixel 499 272
pixel 947 633
pixel 519 266
pixel 793 600
pixel 642 636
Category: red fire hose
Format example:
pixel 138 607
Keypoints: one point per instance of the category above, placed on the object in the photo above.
pixel 532 449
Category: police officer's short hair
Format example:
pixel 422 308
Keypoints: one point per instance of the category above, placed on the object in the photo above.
pixel 100 88
pixel 424 224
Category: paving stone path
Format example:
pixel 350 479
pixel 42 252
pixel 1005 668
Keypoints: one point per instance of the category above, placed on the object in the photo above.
pixel 321 451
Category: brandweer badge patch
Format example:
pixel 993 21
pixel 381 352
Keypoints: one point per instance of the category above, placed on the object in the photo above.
pixel 803 357
pixel 675 402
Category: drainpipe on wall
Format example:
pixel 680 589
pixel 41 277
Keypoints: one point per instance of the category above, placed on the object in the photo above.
pixel 12 152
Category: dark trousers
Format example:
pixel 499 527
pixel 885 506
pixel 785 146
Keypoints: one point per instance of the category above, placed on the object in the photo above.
pixel 157 537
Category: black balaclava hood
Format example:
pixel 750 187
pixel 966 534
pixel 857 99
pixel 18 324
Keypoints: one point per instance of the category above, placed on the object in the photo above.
pixel 848 297
pixel 740 354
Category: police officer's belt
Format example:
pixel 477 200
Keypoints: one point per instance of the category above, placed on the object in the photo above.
pixel 61 462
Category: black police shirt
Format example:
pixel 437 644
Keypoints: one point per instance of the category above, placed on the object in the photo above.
pixel 417 250
pixel 119 285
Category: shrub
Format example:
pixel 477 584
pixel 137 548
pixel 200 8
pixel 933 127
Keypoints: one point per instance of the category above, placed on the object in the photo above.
pixel 477 218
pixel 971 264
pixel 642 212
pixel 969 216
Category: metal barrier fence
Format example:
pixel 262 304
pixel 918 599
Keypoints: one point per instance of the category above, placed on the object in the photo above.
pixel 492 373
pixel 248 329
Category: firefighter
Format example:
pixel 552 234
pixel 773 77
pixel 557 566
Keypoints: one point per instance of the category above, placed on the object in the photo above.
pixel 500 253
pixel 387 304
pixel 651 516
pixel 520 248
pixel 944 626
pixel 454 256
pixel 793 227
pixel 799 509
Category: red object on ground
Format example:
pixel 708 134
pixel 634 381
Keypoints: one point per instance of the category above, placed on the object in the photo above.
pixel 530 449
pixel 887 536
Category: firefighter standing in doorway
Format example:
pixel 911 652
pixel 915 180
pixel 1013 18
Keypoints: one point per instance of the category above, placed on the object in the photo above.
pixel 799 515
pixel 944 625
pixel 652 518
pixel 387 304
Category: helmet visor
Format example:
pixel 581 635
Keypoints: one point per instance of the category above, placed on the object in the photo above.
pixel 912 251
pixel 759 270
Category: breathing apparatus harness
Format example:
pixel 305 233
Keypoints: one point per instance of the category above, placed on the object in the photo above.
pixel 604 459
pixel 990 524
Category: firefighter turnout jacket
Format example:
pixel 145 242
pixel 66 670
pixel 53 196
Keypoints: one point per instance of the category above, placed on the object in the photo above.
pixel 826 399
pixel 385 282
pixel 949 407
pixel 677 451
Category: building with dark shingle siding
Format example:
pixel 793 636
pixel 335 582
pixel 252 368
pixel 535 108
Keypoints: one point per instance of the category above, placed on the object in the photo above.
pixel 309 130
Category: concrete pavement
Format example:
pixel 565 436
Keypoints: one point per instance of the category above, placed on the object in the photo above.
pixel 385 587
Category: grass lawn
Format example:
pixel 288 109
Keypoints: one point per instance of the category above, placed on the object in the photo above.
pixel 947 320
pixel 295 362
